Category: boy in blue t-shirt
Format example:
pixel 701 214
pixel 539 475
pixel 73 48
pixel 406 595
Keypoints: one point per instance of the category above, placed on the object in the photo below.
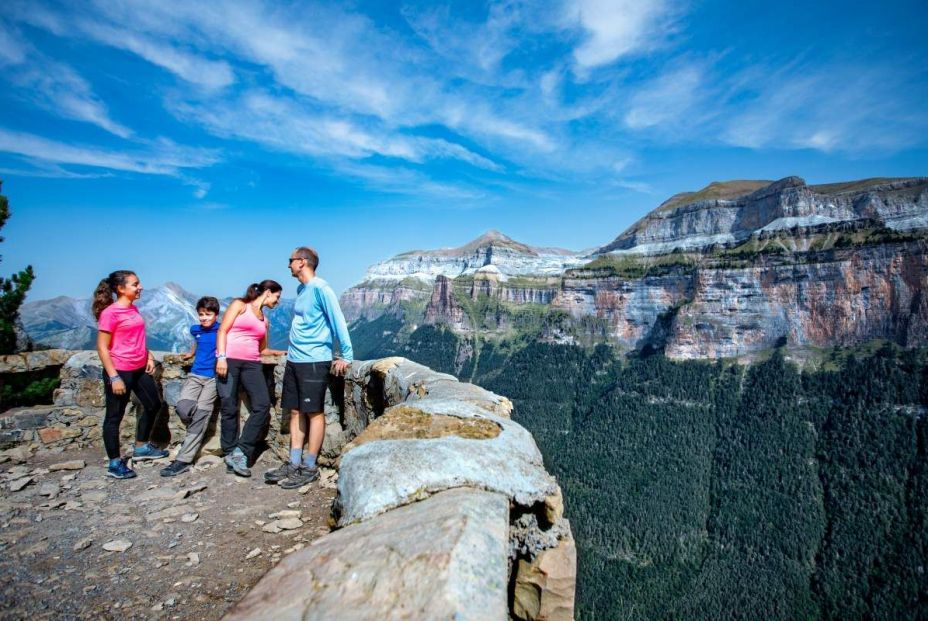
pixel 198 393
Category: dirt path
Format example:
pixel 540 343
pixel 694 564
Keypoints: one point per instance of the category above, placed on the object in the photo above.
pixel 191 537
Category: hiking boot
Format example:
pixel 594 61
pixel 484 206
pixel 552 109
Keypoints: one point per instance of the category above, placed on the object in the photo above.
pixel 279 474
pixel 301 477
pixel 238 463
pixel 175 468
pixel 148 451
pixel 119 470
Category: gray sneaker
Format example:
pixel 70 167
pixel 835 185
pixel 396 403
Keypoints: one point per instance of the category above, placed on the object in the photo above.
pixel 237 461
pixel 301 477
pixel 279 474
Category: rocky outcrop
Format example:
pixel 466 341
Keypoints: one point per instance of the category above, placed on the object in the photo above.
pixel 443 307
pixel 842 297
pixel 34 360
pixel 628 309
pixel 898 204
pixel 838 297
pixel 434 468
pixel 370 299
pixel 444 505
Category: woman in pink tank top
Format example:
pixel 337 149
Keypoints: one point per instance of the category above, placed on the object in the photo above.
pixel 240 342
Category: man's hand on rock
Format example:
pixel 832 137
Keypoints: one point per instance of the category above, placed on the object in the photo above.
pixel 340 367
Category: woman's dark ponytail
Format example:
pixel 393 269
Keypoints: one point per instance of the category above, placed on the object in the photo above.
pixel 105 293
pixel 255 290
pixel 251 293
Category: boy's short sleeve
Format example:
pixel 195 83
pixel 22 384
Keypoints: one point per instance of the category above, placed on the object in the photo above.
pixel 193 330
pixel 107 321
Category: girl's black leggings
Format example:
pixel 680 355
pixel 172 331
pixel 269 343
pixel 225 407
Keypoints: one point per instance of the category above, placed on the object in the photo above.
pixel 144 387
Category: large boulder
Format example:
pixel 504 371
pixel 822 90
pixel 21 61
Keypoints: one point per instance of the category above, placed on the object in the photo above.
pixel 443 558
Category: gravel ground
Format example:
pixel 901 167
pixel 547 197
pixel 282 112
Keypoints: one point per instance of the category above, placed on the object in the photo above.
pixel 198 541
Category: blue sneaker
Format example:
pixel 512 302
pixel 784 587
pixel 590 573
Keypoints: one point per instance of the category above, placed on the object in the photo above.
pixel 148 451
pixel 119 470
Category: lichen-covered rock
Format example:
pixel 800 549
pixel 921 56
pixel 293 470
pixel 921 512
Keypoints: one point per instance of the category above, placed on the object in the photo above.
pixel 443 558
pixel 381 474
pixel 469 393
pixel 403 422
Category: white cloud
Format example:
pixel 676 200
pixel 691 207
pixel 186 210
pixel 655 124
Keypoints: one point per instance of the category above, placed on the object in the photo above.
pixel 400 180
pixel 667 99
pixel 831 108
pixel 127 26
pixel 52 85
pixel 13 50
pixel 285 125
pixel 543 94
pixel 357 88
pixel 616 28
pixel 636 186
pixel 472 49
pixel 162 157
pixel 49 170
pixel 59 89
pixel 189 67
pixel 483 123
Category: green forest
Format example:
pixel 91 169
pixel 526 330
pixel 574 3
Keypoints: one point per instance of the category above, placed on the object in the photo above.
pixel 711 490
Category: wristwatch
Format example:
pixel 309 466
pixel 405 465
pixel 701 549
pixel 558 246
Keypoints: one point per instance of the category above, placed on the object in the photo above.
pixel 115 378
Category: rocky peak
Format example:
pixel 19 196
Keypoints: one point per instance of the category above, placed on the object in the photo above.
pixel 491 238
pixel 729 212
pixel 715 191
pixel 493 248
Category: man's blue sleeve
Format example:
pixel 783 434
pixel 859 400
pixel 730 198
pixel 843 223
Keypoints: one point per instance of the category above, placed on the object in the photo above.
pixel 333 313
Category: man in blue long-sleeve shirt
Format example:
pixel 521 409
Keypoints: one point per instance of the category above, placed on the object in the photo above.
pixel 317 324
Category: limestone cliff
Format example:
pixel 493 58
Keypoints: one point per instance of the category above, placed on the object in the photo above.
pixel 726 213
pixel 727 271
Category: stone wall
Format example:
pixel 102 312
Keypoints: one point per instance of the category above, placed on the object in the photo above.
pixel 444 507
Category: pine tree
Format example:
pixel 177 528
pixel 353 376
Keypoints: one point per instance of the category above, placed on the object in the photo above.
pixel 12 291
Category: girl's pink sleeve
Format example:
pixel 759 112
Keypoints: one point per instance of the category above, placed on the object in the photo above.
pixel 106 322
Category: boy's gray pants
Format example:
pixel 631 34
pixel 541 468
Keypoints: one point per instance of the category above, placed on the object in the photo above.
pixel 194 408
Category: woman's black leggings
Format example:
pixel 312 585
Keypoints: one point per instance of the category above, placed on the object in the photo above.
pixel 250 376
pixel 144 387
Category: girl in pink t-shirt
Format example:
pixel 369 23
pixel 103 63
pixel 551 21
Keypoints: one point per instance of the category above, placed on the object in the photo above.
pixel 127 367
pixel 240 342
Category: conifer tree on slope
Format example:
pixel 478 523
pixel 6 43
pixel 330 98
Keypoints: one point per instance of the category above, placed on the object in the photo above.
pixel 12 291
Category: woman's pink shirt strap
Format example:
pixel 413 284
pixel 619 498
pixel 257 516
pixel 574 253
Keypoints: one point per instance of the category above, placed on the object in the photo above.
pixel 127 345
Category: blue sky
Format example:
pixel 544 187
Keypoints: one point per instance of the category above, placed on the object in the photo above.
pixel 200 142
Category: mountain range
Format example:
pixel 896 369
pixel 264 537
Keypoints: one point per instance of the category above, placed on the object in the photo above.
pixel 725 271
pixel 169 312
pixel 728 271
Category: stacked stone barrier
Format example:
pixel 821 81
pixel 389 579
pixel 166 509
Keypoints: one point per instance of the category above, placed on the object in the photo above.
pixel 444 508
